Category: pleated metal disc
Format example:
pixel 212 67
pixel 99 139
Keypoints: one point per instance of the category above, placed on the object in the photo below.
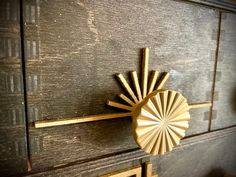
pixel 160 121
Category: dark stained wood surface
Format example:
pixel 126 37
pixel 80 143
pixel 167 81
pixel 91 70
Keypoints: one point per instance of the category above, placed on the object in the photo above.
pixel 226 5
pixel 73 49
pixel 203 155
pixel 225 99
pixel 211 158
pixel 13 148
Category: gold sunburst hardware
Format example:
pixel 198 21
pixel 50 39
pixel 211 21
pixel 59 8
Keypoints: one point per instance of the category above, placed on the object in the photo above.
pixel 160 116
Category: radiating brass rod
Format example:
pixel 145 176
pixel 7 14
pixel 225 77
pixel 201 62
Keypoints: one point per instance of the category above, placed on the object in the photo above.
pixel 127 87
pixel 126 99
pixel 134 77
pixel 153 81
pixel 162 81
pixel 199 105
pixel 119 105
pixel 74 120
pixel 145 71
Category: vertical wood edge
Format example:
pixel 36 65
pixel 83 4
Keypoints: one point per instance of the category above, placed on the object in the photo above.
pixel 215 70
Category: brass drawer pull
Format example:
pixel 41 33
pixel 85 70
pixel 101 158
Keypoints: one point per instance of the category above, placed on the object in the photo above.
pixel 160 116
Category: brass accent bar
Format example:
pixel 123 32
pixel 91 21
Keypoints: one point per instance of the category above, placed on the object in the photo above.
pixel 148 170
pixel 75 120
pixel 127 87
pixel 153 81
pixel 162 80
pixel 134 171
pixel 200 105
pixel 134 77
pixel 119 105
pixel 145 71
pixel 126 99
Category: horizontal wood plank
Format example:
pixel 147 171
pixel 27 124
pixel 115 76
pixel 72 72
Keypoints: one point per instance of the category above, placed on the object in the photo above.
pixel 189 154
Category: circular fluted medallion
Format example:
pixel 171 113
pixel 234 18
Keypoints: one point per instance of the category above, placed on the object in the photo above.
pixel 160 121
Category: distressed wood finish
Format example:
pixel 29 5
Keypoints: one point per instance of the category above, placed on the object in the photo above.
pixel 169 98
pixel 213 157
pixel 13 144
pixel 228 5
pixel 213 145
pixel 70 61
pixel 224 109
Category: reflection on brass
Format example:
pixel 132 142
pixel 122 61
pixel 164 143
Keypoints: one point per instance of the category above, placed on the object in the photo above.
pixel 160 116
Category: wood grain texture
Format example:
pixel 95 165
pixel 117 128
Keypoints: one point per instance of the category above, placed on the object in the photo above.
pixel 214 145
pixel 80 45
pixel 13 144
pixel 203 158
pixel 228 5
pixel 225 86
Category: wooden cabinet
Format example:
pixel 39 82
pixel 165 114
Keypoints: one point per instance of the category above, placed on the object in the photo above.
pixel 58 59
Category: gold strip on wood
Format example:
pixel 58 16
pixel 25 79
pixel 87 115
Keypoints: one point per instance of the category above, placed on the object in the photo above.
pixel 162 81
pixel 119 105
pixel 153 81
pixel 199 105
pixel 126 99
pixel 74 120
pixel 148 171
pixel 145 71
pixel 134 77
pixel 127 87
pixel 136 171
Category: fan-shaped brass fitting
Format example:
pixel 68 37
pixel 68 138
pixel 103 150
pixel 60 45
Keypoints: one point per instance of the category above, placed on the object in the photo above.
pixel 160 121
